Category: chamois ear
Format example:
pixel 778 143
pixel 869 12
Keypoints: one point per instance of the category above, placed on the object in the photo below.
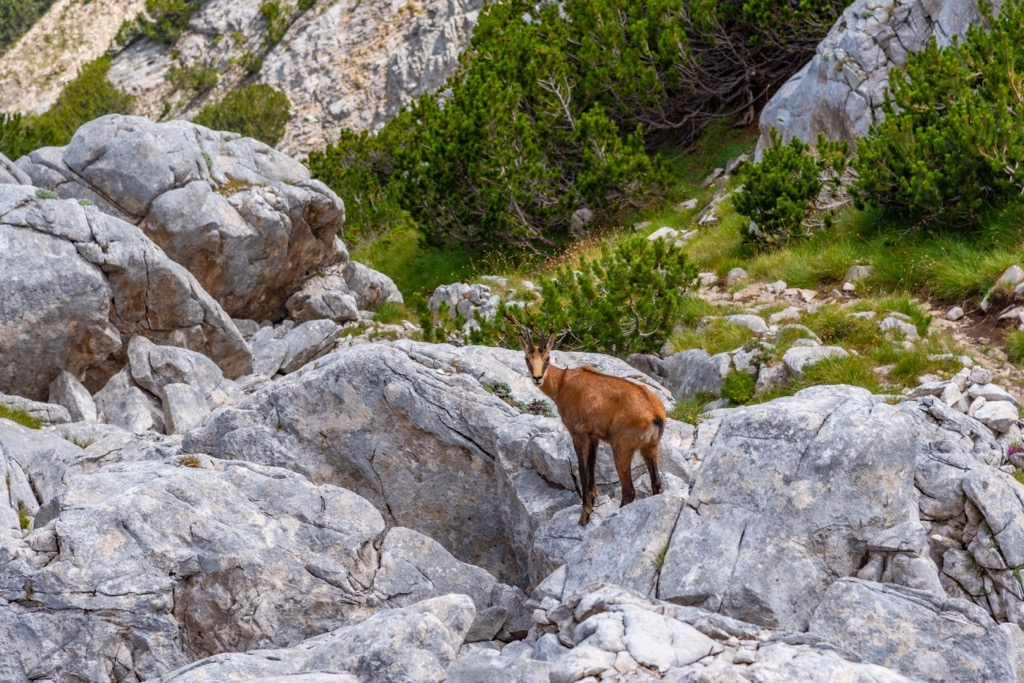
pixel 524 343
pixel 555 338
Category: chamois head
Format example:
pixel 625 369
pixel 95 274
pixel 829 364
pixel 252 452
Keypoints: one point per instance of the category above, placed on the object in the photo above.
pixel 537 357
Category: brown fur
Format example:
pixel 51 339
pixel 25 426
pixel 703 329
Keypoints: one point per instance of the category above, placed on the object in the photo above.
pixel 595 407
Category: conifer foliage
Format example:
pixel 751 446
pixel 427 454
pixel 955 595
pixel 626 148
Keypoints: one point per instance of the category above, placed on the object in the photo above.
pixel 952 142
pixel 556 106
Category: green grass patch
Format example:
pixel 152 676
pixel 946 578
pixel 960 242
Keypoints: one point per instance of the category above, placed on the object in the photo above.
pixel 1015 347
pixel 391 313
pixel 19 417
pixel 714 337
pixel 416 269
pixel 24 517
pixel 690 410
pixel 854 370
pixel 739 387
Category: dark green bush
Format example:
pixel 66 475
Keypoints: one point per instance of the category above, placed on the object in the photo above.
pixel 194 79
pixel 357 167
pixel 779 192
pixel 17 17
pixel 555 106
pixel 951 142
pixel 278 20
pixel 165 20
pixel 739 387
pixel 89 96
pixel 255 111
pixel 251 62
pixel 627 301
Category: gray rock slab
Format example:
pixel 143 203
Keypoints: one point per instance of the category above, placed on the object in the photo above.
pixel 159 563
pixel 415 643
pixel 999 416
pixel 910 631
pixel 246 220
pixel 411 427
pixel 479 667
pixel 46 413
pixel 786 498
pixel 308 341
pixel 124 404
pixel 754 323
pixel 690 373
pixel 184 408
pixel 799 357
pixel 79 283
pixel 67 391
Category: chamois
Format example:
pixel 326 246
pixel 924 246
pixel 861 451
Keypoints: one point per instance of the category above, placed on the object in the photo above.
pixel 596 407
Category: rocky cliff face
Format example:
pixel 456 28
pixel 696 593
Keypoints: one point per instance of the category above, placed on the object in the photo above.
pixel 839 92
pixel 342 64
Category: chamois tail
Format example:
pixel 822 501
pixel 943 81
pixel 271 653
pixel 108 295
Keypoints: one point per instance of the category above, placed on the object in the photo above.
pixel 659 422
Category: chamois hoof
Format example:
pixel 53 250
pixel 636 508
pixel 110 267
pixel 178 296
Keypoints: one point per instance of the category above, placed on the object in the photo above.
pixel 585 518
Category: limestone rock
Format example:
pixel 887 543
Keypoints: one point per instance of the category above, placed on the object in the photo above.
pixel 67 391
pixel 905 624
pixel 46 413
pixel 780 506
pixel 78 284
pixel 341 292
pixel 244 219
pixel 415 643
pixel 841 90
pixel 799 357
pixel 395 421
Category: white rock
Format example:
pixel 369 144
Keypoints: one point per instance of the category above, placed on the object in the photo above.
pixel 955 313
pixel 799 357
pixel 67 391
pixel 998 416
pixel 665 233
pixel 908 330
pixel 788 314
pixel 858 273
pixel 975 404
pixel 1012 276
pixel 735 275
pixel 950 394
pixel 754 323
pixel 992 392
pixel 980 375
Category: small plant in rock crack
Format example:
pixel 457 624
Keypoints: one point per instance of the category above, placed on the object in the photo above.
pixel 190 461
pixel 43 193
pixel 1015 448
pixel 24 520
pixel 659 559
pixel 535 407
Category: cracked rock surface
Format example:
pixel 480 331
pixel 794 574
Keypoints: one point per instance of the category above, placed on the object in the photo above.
pixel 246 220
pixel 79 283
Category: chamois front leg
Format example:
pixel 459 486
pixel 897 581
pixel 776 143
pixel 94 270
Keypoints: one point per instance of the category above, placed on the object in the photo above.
pixel 584 445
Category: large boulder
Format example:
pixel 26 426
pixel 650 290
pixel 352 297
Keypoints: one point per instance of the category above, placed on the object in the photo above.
pixel 245 220
pixel 415 643
pixel 910 631
pixel 785 499
pixel 840 91
pixel 135 569
pixel 416 429
pixel 79 283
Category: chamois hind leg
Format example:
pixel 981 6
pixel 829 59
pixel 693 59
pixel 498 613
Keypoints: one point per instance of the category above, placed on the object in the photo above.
pixel 582 444
pixel 623 465
pixel 592 468
pixel 650 453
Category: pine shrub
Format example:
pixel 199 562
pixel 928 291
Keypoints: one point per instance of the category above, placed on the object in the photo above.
pixel 165 20
pixel 779 192
pixel 555 107
pixel 627 301
pixel 256 111
pixel 89 96
pixel 17 17
pixel 951 142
